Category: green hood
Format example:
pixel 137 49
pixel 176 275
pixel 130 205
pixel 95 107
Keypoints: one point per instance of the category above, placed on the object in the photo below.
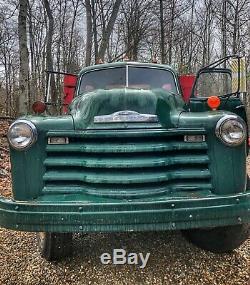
pixel 166 106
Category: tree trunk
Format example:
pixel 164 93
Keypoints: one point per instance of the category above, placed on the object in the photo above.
pixel 94 28
pixel 70 60
pixel 190 48
pixel 236 28
pixel 6 70
pixel 224 30
pixel 22 104
pixel 89 33
pixel 171 32
pixel 33 75
pixel 49 59
pixel 162 33
pixel 107 31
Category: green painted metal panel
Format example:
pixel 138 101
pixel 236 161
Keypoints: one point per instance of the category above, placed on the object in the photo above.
pixel 138 191
pixel 27 169
pixel 122 177
pixel 27 166
pixel 232 104
pixel 166 106
pixel 131 133
pixel 124 216
pixel 124 162
pixel 228 164
pixel 125 148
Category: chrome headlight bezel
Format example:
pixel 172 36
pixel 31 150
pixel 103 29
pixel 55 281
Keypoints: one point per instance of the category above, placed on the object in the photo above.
pixel 33 135
pixel 223 121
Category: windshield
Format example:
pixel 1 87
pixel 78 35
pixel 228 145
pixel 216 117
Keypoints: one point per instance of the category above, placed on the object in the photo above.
pixel 130 77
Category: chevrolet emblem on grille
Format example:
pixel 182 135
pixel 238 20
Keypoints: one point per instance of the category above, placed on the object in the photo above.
pixel 126 116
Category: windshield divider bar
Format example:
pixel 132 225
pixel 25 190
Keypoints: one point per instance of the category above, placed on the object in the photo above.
pixel 126 76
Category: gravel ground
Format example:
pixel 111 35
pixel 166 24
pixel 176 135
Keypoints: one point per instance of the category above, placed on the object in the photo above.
pixel 172 261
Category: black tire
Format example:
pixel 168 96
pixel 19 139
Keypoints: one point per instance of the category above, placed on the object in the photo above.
pixel 219 239
pixel 54 246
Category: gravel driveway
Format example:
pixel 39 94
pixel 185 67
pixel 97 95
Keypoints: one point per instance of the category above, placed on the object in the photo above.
pixel 172 261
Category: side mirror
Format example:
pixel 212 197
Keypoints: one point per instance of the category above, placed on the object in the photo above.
pixel 224 77
pixel 213 82
pixel 186 83
pixel 69 85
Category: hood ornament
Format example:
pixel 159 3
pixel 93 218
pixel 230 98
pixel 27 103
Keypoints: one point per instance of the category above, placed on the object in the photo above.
pixel 126 116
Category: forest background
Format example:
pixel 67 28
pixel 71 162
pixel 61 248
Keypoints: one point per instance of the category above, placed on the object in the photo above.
pixel 66 35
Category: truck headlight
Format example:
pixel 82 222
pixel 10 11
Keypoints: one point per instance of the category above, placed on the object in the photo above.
pixel 22 134
pixel 231 130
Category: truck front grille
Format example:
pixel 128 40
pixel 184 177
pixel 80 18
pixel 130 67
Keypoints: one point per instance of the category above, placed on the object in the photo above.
pixel 125 164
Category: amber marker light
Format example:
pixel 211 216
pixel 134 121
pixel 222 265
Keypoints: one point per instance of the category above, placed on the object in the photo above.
pixel 213 102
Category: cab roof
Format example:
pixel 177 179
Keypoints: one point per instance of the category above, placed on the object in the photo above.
pixel 124 63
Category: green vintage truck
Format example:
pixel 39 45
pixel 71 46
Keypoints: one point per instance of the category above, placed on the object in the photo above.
pixel 132 155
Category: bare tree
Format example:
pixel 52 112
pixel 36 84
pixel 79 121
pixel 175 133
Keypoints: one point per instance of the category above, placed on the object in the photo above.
pixel 23 104
pixel 163 53
pixel 171 30
pixel 49 59
pixel 70 57
pixel 223 28
pixel 89 33
pixel 187 34
pixel 135 23
pixel 237 19
pixel 108 29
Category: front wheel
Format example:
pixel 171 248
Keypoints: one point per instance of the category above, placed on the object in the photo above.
pixel 219 239
pixel 54 246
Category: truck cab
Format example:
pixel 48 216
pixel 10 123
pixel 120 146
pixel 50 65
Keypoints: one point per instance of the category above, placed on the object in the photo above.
pixel 132 155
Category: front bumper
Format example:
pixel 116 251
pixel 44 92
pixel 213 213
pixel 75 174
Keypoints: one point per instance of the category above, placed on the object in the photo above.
pixel 168 214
